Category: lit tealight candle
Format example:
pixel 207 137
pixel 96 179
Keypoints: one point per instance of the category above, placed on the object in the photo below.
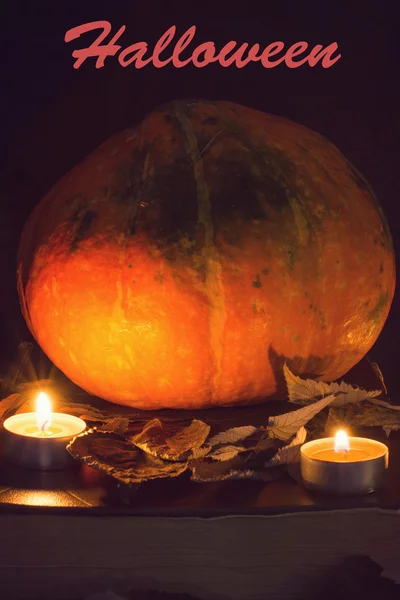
pixel 38 440
pixel 343 465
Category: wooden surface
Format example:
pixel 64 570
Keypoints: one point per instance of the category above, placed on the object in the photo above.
pixel 71 533
pixel 238 557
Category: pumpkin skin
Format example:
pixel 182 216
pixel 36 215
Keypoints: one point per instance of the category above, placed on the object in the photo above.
pixel 182 262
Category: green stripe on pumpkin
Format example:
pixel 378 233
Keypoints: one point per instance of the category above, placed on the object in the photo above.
pixel 213 283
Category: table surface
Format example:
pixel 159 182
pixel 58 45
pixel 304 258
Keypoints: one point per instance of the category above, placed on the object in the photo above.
pixel 81 488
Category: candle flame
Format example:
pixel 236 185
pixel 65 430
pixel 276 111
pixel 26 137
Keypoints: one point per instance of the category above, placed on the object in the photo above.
pixel 342 443
pixel 43 412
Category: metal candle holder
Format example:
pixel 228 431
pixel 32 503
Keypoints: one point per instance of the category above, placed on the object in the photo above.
pixel 344 477
pixel 47 452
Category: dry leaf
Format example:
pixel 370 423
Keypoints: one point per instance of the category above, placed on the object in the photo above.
pixel 285 426
pixel 171 441
pixel 85 412
pixel 370 414
pixel 290 453
pixel 26 405
pixel 379 374
pixel 117 425
pixel 384 404
pixel 35 386
pixel 10 405
pixel 374 416
pixel 389 428
pixel 211 472
pixel 267 476
pixel 23 360
pixel 241 461
pixel 226 452
pixel 167 447
pixel 302 391
pixel 336 420
pixel 188 438
pixel 199 452
pixel 265 449
pixel 231 436
pixel 224 446
pixel 114 456
pixel 266 443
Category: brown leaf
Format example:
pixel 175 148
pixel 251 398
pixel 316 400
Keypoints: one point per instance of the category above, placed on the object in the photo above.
pixel 199 452
pixel 171 441
pixel 384 404
pixel 18 370
pixel 113 455
pixel 9 406
pixel 389 428
pixel 212 471
pixel 188 438
pixel 258 460
pixel 226 452
pixel 336 420
pixel 227 444
pixel 375 416
pixel 85 411
pixel 114 450
pixel 379 374
pixel 290 453
pixel 266 443
pixel 235 462
pixel 35 386
pixel 231 436
pixel 26 406
pixel 369 414
pixel 285 426
pixel 304 391
pixel 118 425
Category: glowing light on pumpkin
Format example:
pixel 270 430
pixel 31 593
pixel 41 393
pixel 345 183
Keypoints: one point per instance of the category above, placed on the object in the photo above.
pixel 43 412
pixel 342 443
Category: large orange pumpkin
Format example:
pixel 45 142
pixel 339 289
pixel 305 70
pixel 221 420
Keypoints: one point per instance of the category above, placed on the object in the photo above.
pixel 182 261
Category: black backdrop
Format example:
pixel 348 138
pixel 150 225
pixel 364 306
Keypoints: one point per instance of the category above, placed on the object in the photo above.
pixel 53 115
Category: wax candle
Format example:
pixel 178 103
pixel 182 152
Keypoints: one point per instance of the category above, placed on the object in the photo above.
pixel 38 440
pixel 343 465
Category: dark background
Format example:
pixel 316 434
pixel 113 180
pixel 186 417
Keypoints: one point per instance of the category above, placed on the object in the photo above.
pixel 52 115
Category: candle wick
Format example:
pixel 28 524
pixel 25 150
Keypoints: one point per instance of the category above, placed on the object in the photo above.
pixel 44 426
